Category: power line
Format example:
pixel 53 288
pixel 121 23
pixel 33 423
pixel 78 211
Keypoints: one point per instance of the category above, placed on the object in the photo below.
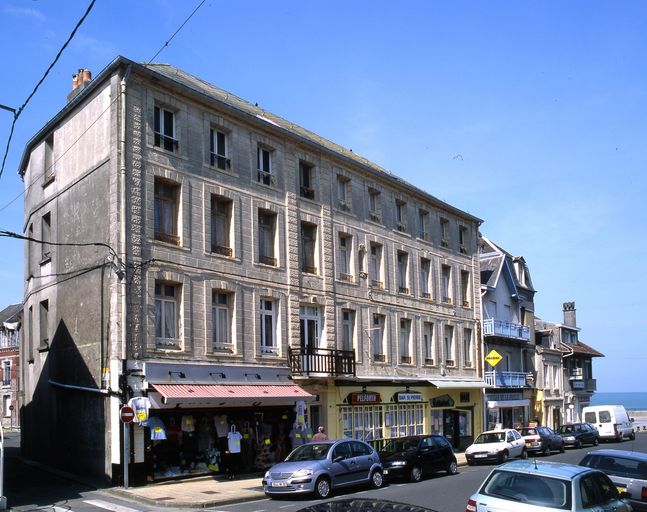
pixel 33 182
pixel 58 55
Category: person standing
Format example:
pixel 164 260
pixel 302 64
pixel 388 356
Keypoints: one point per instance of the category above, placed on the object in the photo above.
pixel 320 435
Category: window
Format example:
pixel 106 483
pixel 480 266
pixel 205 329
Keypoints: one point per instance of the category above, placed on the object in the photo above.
pixel 44 325
pixel 462 239
pixel 363 422
pixel 547 376
pixel 221 208
pixel 377 334
pixel 446 275
pixel 166 212
pixel 221 307
pixel 268 327
pixel 345 248
pixel 403 264
pixel 401 215
pixel 449 346
pixel 306 171
pixel 218 149
pixel 465 288
pixel 264 166
pixel 6 372
pixel 30 334
pixel 404 419
pixel 375 266
pixel 266 237
pixel 308 247
pixel 309 319
pixel 428 346
pixel 49 159
pixel 166 313
pixel 444 232
pixel 46 237
pixel 405 341
pixel 425 276
pixel 347 329
pixel 165 129
pixel 556 377
pixel 343 192
pixel 597 490
pixel 468 347
pixel 423 224
pixel 374 205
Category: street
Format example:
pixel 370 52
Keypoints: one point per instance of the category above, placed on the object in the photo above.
pixel 30 488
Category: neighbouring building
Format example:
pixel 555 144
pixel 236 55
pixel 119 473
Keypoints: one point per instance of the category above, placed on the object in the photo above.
pixel 10 332
pixel 507 298
pixel 231 272
pixel 577 363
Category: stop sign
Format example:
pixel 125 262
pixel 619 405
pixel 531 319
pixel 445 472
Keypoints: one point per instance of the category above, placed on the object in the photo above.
pixel 126 414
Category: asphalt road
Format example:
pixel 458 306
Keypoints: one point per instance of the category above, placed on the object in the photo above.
pixel 30 488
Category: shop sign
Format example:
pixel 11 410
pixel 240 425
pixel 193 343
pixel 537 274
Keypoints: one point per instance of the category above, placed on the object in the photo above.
pixel 364 398
pixel 442 401
pixel 407 396
pixel 577 384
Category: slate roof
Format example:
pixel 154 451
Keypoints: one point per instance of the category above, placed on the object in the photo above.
pixel 11 313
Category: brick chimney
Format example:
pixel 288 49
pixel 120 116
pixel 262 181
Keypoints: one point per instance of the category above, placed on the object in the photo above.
pixel 569 314
pixel 79 81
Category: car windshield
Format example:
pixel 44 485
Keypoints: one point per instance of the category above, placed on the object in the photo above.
pixel 311 451
pixel 490 437
pixel 401 445
pixel 566 429
pixel 532 489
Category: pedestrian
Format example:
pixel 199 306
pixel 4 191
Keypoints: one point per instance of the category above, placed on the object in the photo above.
pixel 320 435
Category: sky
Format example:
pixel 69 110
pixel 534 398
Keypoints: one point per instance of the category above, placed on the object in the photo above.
pixel 531 115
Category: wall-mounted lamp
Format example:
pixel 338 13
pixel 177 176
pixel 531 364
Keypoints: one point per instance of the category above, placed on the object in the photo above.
pixel 181 375
pixel 363 389
pixel 256 375
pixel 218 374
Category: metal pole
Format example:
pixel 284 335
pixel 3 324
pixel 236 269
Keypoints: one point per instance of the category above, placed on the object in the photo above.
pixel 126 459
pixel 3 499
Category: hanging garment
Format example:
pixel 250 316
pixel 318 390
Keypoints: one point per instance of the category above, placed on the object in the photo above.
pixel 188 423
pixel 233 441
pixel 141 405
pixel 158 430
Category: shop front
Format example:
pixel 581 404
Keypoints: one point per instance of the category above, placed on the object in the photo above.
pixel 507 410
pixel 218 420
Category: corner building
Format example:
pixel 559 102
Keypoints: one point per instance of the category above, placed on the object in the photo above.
pixel 233 272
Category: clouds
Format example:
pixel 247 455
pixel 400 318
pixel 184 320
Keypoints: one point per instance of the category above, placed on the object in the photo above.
pixel 24 12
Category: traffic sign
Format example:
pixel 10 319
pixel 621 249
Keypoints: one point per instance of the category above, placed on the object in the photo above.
pixel 493 358
pixel 126 414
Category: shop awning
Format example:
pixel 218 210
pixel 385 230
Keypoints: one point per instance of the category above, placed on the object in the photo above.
pixel 227 394
pixel 492 404
pixel 458 384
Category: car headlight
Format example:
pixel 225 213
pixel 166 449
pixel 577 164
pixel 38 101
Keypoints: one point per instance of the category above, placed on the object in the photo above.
pixel 399 463
pixel 569 438
pixel 301 473
pixel 267 474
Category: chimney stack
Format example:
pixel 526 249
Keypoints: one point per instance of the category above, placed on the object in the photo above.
pixel 569 314
pixel 79 80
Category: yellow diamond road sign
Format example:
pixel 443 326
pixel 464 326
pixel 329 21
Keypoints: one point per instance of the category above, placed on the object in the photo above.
pixel 493 358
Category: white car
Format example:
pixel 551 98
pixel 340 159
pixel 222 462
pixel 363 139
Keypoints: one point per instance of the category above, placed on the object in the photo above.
pixel 496 446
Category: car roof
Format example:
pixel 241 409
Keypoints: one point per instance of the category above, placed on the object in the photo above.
pixel 500 431
pixel 640 456
pixel 544 468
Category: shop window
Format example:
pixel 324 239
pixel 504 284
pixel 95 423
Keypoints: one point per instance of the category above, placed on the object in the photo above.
pixel 221 315
pixel 404 419
pixel 364 422
pixel 221 215
pixel 167 297
pixel 268 326
pixel 166 211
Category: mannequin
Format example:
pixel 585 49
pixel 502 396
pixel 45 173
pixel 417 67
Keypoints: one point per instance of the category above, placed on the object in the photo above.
pixel 233 451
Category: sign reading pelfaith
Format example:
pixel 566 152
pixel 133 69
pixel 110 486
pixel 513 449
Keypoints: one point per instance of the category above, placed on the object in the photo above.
pixel 365 398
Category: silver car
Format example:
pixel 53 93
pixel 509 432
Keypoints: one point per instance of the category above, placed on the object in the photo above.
pixel 627 470
pixel 531 485
pixel 321 467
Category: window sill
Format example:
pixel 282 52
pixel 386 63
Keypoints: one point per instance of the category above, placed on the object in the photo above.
pixel 162 243
pixel 49 180
pixel 45 261
pixel 168 344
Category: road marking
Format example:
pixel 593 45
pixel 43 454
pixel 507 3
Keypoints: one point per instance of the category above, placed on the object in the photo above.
pixel 110 506
pixel 287 506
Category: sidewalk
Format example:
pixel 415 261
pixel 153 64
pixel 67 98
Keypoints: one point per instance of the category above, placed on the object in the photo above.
pixel 203 492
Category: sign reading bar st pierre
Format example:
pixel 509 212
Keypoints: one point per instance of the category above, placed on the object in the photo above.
pixel 493 358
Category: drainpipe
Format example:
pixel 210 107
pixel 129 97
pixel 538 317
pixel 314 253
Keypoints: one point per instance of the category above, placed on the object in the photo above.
pixel 122 220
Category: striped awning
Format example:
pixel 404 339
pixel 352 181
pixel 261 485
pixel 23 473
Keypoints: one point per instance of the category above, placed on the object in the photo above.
pixel 231 394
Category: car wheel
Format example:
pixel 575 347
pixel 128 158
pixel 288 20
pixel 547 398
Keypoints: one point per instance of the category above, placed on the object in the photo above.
pixel 632 436
pixel 452 469
pixel 416 474
pixel 524 454
pixel 546 451
pixel 596 442
pixel 322 487
pixel 503 457
pixel 562 449
pixel 376 479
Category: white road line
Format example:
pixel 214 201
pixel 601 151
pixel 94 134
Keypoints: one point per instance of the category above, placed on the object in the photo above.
pixel 287 506
pixel 110 506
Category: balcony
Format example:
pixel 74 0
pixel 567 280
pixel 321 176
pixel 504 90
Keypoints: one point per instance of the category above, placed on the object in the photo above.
pixel 321 361
pixel 492 327
pixel 508 379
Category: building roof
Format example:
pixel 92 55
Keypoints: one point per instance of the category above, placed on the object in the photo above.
pixel 580 348
pixel 11 314
pixel 493 258
pixel 253 113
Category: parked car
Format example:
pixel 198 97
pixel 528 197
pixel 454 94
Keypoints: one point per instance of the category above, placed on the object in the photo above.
pixel 496 446
pixel 324 466
pixel 627 470
pixel 532 485
pixel 612 421
pixel 414 456
pixel 579 434
pixel 541 440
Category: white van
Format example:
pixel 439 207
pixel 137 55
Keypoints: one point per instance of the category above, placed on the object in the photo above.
pixel 611 421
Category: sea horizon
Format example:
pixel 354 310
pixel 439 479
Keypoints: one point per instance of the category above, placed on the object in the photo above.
pixel 632 400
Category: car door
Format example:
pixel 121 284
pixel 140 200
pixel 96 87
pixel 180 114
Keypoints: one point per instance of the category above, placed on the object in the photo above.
pixel 516 443
pixel 427 454
pixel 343 466
pixel 363 460
pixel 598 494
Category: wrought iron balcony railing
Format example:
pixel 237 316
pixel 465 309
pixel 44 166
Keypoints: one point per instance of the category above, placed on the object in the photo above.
pixel 323 361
